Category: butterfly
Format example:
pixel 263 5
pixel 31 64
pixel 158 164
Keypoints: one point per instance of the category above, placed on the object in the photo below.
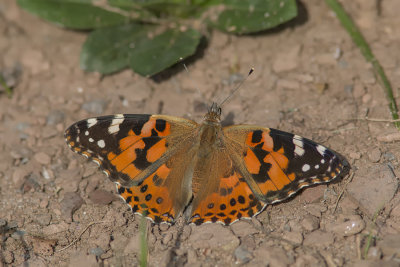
pixel 166 166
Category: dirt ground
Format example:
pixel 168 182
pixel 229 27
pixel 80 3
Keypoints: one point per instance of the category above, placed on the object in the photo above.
pixel 310 79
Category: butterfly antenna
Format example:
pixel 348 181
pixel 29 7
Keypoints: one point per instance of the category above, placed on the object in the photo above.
pixel 237 88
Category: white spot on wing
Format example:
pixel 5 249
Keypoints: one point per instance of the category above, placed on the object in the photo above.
pixel 114 127
pixel 299 151
pixel 101 143
pixel 317 166
pixel 322 161
pixel 87 133
pixel 298 142
pixel 305 167
pixel 91 140
pixel 91 122
pixel 321 149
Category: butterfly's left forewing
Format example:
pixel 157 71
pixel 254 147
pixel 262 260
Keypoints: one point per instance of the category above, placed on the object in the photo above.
pixel 128 147
pixel 277 164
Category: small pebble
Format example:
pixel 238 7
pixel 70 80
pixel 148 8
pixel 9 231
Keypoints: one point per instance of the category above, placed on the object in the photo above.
pixel 42 158
pixel 366 98
pixel 242 254
pixel 8 257
pixel 388 138
pixel 375 155
pixel 43 246
pixel 43 219
pixel 3 223
pixel 163 227
pixel 70 203
pixel 294 237
pixel 243 228
pixel 97 251
pixel 374 253
pixel 101 197
pixel 133 245
pixel 353 225
pixel 390 245
pixel 355 155
pixel 167 238
pixel 310 223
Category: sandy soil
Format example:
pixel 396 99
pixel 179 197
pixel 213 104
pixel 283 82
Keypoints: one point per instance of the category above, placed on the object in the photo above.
pixel 310 79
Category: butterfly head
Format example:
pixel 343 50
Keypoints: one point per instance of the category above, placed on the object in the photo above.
pixel 214 113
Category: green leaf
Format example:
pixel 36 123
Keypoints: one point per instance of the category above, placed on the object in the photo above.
pixel 73 14
pixel 111 49
pixel 160 8
pixel 239 16
pixel 107 50
pixel 153 55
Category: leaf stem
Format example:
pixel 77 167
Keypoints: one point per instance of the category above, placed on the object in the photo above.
pixel 359 40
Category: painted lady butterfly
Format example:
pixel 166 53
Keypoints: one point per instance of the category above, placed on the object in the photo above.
pixel 165 165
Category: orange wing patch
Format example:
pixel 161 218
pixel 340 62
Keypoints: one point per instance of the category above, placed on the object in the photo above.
pixel 232 201
pixel 264 164
pixel 151 198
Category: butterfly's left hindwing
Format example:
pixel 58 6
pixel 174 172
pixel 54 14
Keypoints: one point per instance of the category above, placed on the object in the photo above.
pixel 277 164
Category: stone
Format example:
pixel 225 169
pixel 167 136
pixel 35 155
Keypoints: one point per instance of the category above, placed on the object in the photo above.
pixel 133 245
pixel 310 223
pixel 43 219
pixel 351 225
pixel 101 197
pixel 42 246
pixel 42 158
pixel 71 202
pixel 267 255
pixel 312 194
pixel 389 138
pixel 319 238
pixel 243 228
pixel 242 254
pixel 296 238
pixel 213 236
pixel 372 187
pixel 103 241
pixel 53 229
pixel 97 251
pixel 390 245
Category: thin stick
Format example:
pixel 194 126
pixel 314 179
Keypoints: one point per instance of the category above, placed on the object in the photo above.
pixel 341 193
pixel 80 235
pixel 377 119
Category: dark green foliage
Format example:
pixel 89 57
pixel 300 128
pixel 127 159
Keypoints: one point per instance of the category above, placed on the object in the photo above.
pixel 152 35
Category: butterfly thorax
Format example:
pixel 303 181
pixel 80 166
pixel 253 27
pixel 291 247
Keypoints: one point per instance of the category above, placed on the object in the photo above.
pixel 210 131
